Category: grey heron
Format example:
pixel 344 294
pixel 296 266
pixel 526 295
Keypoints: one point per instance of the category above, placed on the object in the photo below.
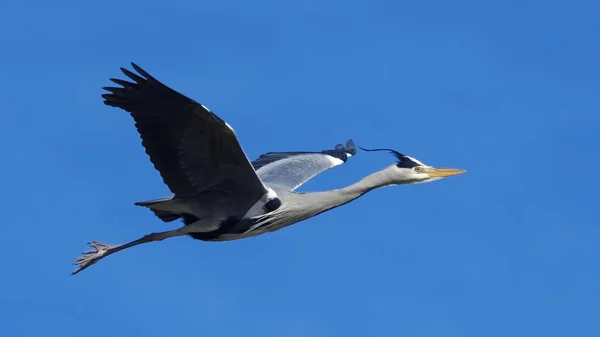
pixel 216 191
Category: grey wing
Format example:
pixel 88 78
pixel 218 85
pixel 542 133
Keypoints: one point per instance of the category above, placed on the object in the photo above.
pixel 193 149
pixel 292 169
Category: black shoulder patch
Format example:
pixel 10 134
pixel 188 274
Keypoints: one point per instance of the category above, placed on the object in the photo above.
pixel 272 205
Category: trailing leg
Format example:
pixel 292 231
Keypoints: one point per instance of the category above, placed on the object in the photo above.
pixel 102 250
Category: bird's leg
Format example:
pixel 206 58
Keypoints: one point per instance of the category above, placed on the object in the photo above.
pixel 102 250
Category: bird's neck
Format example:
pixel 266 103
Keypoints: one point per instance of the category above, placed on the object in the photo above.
pixel 335 198
pixel 372 181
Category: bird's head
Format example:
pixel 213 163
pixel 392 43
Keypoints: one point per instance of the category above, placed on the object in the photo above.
pixel 409 170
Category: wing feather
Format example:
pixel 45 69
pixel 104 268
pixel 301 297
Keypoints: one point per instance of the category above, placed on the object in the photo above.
pixel 193 149
pixel 292 169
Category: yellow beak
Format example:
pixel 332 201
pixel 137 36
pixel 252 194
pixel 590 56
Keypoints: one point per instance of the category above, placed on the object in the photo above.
pixel 443 172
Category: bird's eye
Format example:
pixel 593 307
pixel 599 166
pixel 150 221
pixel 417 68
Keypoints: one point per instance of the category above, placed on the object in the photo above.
pixel 418 168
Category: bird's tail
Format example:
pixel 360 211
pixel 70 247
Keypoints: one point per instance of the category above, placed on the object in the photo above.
pixel 154 206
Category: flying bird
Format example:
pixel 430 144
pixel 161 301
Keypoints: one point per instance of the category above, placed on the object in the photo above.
pixel 216 191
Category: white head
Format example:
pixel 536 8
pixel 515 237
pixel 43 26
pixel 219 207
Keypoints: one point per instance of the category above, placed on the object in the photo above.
pixel 409 170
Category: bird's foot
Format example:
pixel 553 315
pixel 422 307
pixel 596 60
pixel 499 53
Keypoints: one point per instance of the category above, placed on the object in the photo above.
pixel 90 257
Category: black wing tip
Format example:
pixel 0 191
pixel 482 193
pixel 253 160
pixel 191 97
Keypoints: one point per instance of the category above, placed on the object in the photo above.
pixel 348 149
pixel 141 71
pixel 351 147
pixel 343 152
pixel 125 84
pixel 136 79
pixel 145 76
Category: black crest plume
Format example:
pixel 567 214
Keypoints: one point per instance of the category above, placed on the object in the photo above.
pixel 403 161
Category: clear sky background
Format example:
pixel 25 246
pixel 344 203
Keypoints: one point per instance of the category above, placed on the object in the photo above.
pixel 508 90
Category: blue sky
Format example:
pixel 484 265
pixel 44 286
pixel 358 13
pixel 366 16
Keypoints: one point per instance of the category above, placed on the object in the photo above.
pixel 506 89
